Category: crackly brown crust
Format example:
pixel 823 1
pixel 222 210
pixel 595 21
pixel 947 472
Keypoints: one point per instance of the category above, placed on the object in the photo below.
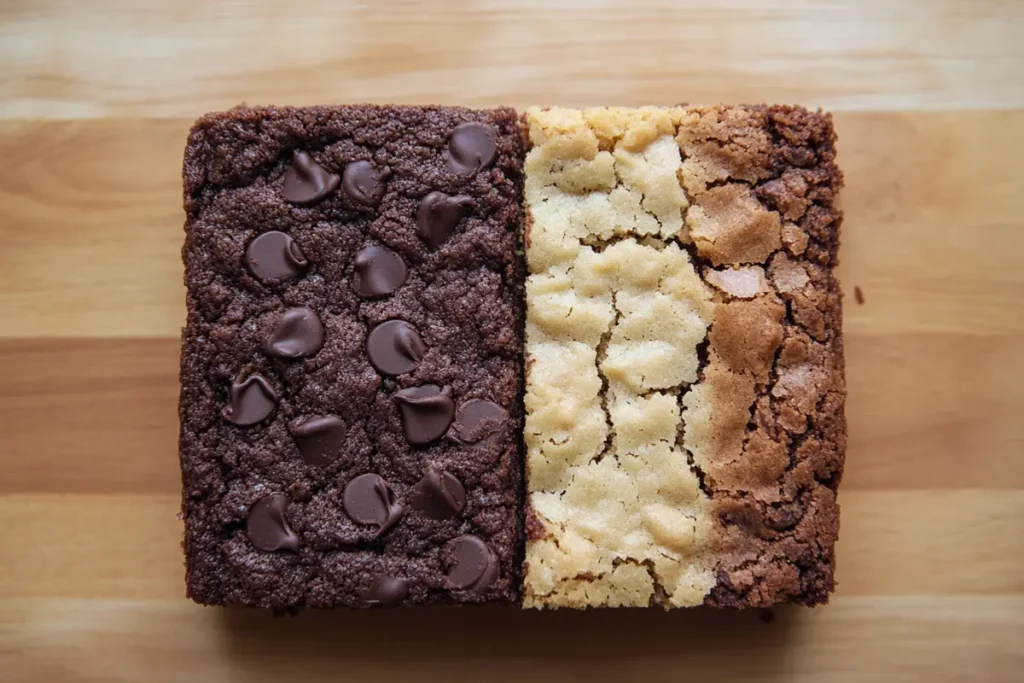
pixel 761 422
pixel 773 489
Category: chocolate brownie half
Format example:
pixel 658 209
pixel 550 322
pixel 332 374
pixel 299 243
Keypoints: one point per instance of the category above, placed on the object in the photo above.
pixel 352 358
pixel 684 357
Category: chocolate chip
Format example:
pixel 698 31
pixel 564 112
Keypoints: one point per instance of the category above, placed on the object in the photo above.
pixel 297 334
pixel 471 147
pixel 426 412
pixel 363 183
pixel 378 271
pixel 386 590
pixel 475 567
pixel 395 347
pixel 319 438
pixel 476 420
pixel 252 400
pixel 307 182
pixel 266 526
pixel 275 256
pixel 438 214
pixel 369 500
pixel 438 494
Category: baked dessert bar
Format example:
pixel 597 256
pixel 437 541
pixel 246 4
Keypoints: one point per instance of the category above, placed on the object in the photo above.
pixel 684 357
pixel 351 370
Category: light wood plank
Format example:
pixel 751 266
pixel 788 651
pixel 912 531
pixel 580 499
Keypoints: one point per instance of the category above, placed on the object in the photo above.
pixel 100 415
pixel 930 410
pixel 110 546
pixel 892 543
pixel 90 416
pixel 930 542
pixel 934 230
pixel 934 233
pixel 939 639
pixel 67 59
pixel 91 239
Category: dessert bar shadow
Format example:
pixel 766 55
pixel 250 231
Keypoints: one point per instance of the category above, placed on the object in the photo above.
pixel 763 636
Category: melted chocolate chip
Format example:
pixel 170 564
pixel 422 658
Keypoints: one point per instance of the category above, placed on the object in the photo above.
pixel 474 568
pixel 471 147
pixel 307 182
pixel 395 347
pixel 426 412
pixel 297 334
pixel 363 183
pixel 369 500
pixel 438 214
pixel 386 590
pixel 319 438
pixel 275 256
pixel 378 272
pixel 476 420
pixel 252 400
pixel 267 527
pixel 438 494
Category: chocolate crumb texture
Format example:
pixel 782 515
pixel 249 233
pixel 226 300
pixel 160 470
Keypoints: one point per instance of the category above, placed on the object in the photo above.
pixel 351 370
pixel 684 357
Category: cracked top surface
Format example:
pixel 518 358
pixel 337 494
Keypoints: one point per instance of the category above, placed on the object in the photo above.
pixel 658 474
pixel 616 311
pixel 463 297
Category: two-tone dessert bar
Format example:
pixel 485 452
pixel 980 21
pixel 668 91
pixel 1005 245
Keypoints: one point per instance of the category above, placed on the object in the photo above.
pixel 684 362
pixel 353 401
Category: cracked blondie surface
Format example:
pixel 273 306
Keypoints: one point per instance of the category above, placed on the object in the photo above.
pixel 684 362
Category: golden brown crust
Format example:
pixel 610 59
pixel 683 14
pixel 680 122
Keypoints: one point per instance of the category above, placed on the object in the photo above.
pixel 773 479
pixel 729 226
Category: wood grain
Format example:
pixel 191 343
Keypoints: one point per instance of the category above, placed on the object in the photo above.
pixel 91 415
pixel 70 58
pixel 96 97
pixel 935 639
pixel 97 249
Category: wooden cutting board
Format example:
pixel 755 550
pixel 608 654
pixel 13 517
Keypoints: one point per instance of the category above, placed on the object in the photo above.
pixel 96 97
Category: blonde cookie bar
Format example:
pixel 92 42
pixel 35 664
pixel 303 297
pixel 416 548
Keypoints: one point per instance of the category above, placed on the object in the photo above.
pixel 684 360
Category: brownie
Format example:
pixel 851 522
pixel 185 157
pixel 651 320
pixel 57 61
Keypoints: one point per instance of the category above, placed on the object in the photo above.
pixel 351 369
pixel 684 359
